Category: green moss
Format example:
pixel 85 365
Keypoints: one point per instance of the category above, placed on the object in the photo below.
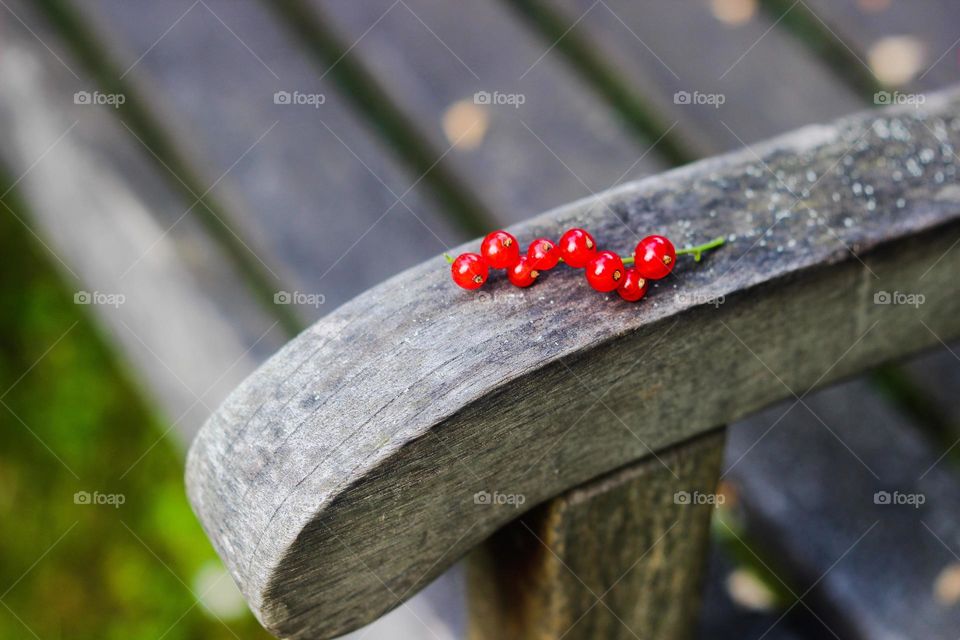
pixel 99 581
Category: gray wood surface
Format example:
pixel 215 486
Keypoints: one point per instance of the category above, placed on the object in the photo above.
pixel 113 226
pixel 930 25
pixel 313 201
pixel 559 144
pixel 312 192
pixel 690 49
pixel 340 478
pixel 620 556
pixel 769 82
pixel 826 488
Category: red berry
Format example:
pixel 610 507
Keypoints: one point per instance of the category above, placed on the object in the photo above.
pixel 469 270
pixel 500 249
pixel 577 247
pixel 605 271
pixel 522 274
pixel 633 286
pixel 655 257
pixel 543 254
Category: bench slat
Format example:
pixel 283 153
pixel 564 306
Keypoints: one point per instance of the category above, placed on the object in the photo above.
pixel 119 229
pixel 312 192
pixel 769 82
pixel 433 57
pixel 870 452
pixel 927 25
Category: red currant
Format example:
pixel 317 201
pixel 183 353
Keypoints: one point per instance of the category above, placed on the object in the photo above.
pixel 633 286
pixel 655 257
pixel 522 274
pixel 577 247
pixel 605 271
pixel 500 249
pixel 543 254
pixel 469 270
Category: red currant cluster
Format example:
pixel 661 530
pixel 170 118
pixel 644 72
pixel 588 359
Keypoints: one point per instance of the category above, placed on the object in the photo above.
pixel 653 259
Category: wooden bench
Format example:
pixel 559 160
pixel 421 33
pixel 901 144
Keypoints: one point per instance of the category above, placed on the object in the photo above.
pixel 211 198
pixel 355 465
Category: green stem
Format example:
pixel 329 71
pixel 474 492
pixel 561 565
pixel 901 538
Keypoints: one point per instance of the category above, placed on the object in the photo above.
pixel 448 258
pixel 698 250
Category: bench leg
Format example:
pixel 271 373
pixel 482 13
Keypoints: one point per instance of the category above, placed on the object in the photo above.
pixel 621 556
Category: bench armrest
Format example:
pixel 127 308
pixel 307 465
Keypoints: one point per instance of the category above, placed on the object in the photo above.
pixel 341 476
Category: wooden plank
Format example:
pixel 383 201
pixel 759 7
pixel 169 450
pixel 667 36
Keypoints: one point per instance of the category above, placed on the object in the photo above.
pixel 618 557
pixel 752 80
pixel 893 523
pixel 912 45
pixel 311 189
pixel 119 234
pixel 350 447
pixel 550 141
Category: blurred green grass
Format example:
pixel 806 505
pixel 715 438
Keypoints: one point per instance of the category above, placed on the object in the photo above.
pixel 84 570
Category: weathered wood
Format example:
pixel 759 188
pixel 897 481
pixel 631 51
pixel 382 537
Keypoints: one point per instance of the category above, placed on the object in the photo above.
pixel 115 228
pixel 340 478
pixel 312 191
pixel 759 97
pixel 863 473
pixel 553 141
pixel 618 557
pixel 928 26
pixel 753 80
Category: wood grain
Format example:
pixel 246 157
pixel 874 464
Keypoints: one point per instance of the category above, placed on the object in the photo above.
pixel 621 556
pixel 339 479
